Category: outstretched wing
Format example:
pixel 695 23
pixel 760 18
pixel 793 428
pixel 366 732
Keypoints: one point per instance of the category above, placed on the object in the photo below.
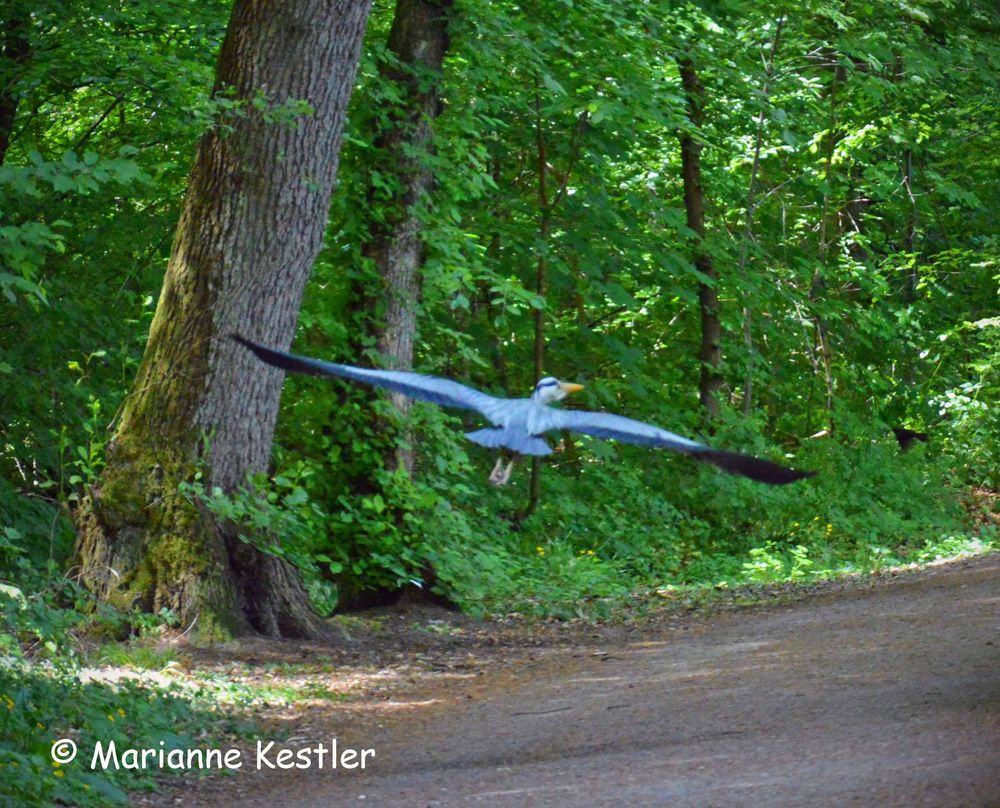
pixel 628 430
pixel 443 392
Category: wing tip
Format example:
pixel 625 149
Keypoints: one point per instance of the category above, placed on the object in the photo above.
pixel 250 345
pixel 763 471
pixel 907 437
pixel 270 356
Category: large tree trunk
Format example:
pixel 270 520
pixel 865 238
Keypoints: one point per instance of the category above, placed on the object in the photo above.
pixel 711 380
pixel 251 227
pixel 418 41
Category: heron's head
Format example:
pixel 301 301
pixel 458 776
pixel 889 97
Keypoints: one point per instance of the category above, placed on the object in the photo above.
pixel 551 389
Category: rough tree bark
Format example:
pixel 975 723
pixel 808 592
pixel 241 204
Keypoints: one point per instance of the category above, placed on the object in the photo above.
pixel 418 42
pixel 251 226
pixel 711 380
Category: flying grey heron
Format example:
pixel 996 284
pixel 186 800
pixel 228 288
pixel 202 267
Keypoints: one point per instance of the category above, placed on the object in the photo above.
pixel 517 424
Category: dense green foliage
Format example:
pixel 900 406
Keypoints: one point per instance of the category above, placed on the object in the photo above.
pixel 852 184
pixel 862 137
pixel 44 694
pixel 868 218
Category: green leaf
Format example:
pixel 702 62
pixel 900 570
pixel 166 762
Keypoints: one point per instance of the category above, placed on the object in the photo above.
pixel 552 84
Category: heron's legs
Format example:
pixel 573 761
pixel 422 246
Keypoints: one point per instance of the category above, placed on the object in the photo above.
pixel 497 471
pixel 500 475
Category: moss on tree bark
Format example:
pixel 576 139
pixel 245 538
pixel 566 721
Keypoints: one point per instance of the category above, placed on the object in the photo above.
pixel 251 226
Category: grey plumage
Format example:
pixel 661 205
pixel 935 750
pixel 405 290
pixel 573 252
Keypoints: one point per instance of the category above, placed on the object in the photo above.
pixel 498 437
pixel 519 423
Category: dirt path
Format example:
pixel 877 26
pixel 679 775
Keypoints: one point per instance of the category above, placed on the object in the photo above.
pixel 869 696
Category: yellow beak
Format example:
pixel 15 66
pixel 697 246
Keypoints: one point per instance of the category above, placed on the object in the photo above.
pixel 567 387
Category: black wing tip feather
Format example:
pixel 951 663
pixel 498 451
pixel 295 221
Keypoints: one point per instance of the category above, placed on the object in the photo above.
pixel 269 355
pixel 275 358
pixel 250 344
pixel 906 437
pixel 763 471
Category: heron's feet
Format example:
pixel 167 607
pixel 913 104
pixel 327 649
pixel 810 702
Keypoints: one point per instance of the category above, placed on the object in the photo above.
pixel 500 475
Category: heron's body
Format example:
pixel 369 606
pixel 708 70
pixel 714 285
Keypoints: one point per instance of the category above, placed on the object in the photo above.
pixel 517 436
pixel 518 424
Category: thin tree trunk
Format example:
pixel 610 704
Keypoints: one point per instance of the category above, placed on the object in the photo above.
pixel 500 216
pixel 418 41
pixel 910 238
pixel 15 50
pixel 548 202
pixel 251 226
pixel 748 222
pixel 544 226
pixel 818 284
pixel 710 355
